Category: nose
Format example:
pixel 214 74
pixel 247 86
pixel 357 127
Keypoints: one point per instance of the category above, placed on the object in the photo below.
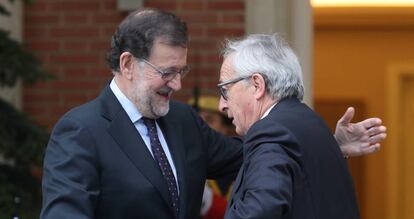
pixel 223 105
pixel 175 83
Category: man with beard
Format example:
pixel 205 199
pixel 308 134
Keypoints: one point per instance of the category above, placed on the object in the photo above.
pixel 131 152
pixel 292 166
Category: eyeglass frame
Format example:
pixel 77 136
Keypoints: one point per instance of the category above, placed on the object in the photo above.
pixel 165 75
pixel 223 91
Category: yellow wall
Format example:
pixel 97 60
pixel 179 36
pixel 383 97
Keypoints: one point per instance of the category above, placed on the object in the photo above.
pixel 353 49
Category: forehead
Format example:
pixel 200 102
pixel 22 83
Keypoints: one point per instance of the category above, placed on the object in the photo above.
pixel 227 69
pixel 165 54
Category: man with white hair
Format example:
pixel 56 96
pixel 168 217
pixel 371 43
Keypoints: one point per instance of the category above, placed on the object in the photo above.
pixel 292 166
pixel 132 152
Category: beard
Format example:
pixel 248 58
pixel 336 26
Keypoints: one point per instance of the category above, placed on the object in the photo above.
pixel 148 102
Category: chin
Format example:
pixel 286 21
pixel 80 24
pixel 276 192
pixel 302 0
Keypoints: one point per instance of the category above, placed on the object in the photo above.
pixel 161 110
pixel 239 132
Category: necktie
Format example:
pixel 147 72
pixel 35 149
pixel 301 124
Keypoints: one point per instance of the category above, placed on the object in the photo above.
pixel 161 158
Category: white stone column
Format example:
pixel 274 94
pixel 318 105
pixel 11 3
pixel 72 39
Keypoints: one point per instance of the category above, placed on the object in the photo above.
pixel 12 23
pixel 292 18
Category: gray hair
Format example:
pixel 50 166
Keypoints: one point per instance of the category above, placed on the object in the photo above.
pixel 270 56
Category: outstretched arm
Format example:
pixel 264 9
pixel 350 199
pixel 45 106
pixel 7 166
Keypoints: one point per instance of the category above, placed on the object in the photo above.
pixel 356 139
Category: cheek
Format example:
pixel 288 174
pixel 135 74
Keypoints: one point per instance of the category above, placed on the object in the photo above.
pixel 242 113
pixel 150 89
pixel 237 114
pixel 151 83
pixel 240 107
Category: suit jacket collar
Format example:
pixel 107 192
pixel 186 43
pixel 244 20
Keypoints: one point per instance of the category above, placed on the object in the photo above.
pixel 285 103
pixel 129 140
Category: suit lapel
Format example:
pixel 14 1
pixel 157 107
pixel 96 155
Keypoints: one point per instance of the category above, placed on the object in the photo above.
pixel 129 140
pixel 173 134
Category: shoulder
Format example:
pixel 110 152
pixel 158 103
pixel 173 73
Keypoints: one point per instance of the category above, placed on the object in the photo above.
pixel 182 113
pixel 268 137
pixel 177 107
pixel 84 112
pixel 87 115
pixel 267 130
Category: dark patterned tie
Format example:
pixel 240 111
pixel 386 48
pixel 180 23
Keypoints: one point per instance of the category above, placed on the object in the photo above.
pixel 161 158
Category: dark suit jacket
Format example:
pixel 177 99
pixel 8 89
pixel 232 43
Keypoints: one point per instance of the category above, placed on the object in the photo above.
pixel 292 168
pixel 97 165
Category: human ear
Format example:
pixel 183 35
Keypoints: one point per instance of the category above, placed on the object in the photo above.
pixel 126 64
pixel 259 84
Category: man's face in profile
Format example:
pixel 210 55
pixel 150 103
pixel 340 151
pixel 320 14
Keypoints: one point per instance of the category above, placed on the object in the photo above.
pixel 238 102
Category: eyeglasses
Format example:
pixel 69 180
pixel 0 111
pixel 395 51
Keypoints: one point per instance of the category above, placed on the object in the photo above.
pixel 223 90
pixel 168 74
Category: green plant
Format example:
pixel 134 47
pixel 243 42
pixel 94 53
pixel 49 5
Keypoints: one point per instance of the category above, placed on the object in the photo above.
pixel 21 141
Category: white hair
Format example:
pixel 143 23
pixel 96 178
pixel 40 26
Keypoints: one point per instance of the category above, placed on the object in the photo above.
pixel 270 56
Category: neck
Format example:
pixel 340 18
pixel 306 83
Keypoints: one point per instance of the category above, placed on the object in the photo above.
pixel 264 105
pixel 267 103
pixel 121 84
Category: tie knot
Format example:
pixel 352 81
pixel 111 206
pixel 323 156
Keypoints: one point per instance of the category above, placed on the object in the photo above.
pixel 149 123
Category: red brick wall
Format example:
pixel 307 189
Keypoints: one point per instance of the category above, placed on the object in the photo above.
pixel 71 38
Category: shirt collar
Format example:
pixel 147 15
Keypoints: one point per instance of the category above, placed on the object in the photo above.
pixel 126 104
pixel 268 111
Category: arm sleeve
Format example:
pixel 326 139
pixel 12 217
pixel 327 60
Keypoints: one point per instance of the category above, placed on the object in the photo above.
pixel 224 154
pixel 267 185
pixel 70 182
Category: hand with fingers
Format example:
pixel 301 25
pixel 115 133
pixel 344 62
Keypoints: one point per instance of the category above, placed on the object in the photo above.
pixel 361 138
